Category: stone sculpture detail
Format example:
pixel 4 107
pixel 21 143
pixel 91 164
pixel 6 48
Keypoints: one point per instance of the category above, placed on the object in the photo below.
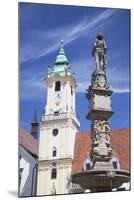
pixel 99 78
pixel 99 52
pixel 101 137
pixel 101 131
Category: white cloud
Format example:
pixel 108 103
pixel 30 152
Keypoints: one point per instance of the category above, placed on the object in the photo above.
pixel 41 43
pixel 32 88
pixel 121 90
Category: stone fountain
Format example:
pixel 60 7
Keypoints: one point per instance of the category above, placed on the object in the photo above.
pixel 101 176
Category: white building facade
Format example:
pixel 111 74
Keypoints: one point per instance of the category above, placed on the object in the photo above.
pixel 28 162
pixel 58 129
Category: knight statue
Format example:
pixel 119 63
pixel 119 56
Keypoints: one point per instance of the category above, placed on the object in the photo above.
pixel 99 52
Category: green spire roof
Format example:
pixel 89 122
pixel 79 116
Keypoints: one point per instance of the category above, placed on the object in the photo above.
pixel 61 65
pixel 61 58
pixel 35 120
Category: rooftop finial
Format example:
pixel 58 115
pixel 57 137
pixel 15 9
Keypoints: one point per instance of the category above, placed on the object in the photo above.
pixel 61 42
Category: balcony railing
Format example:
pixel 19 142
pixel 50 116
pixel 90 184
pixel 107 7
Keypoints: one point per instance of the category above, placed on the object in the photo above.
pixel 57 116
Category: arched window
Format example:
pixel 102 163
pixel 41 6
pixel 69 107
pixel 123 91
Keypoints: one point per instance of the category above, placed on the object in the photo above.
pixel 57 86
pixel 54 151
pixel 53 173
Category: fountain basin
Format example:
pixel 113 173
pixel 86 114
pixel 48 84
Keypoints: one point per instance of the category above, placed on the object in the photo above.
pixel 101 180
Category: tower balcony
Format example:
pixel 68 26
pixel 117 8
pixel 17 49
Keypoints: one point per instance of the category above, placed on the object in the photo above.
pixel 61 116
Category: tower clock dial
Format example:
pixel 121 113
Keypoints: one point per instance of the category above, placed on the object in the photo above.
pixel 57 96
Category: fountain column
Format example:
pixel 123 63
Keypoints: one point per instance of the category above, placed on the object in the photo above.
pixel 99 96
pixel 101 176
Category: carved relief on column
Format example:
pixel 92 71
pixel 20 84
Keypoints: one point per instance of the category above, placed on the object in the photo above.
pixel 99 80
pixel 101 137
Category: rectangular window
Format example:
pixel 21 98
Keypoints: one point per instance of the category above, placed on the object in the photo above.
pixel 56 113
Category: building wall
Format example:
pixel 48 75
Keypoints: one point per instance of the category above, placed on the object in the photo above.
pixel 64 141
pixel 45 182
pixel 28 176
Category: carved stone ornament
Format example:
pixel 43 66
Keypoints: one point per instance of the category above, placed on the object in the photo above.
pixel 101 132
pixel 99 80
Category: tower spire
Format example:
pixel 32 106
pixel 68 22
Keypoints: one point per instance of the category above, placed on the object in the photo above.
pixel 61 58
pixel 35 117
pixel 34 125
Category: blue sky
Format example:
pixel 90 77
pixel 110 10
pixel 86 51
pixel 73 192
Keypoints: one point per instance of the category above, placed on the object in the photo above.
pixel 42 26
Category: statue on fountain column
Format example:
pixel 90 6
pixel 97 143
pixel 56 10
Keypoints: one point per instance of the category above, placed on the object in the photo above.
pixel 99 52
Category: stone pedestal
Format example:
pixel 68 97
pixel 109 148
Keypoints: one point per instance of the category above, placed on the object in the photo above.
pixel 99 96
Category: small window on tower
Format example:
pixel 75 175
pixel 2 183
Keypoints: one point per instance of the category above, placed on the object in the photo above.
pixel 55 132
pixel 53 173
pixel 54 151
pixel 71 90
pixel 57 86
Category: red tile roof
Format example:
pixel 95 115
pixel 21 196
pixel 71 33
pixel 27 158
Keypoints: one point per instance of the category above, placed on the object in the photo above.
pixel 120 141
pixel 28 142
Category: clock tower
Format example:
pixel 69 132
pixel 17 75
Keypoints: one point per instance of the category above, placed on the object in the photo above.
pixel 58 128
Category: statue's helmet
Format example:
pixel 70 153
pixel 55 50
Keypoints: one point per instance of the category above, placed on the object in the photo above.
pixel 99 36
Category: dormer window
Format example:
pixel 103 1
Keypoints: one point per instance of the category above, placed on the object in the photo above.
pixel 116 163
pixel 57 86
pixel 87 164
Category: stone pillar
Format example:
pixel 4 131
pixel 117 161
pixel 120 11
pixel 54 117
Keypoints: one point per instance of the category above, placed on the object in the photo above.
pixel 99 96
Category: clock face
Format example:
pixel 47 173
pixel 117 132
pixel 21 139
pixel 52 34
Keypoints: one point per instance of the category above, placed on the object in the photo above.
pixel 57 96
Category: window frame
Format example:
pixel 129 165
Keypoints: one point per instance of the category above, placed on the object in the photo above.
pixel 54 152
pixel 57 86
pixel 53 173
